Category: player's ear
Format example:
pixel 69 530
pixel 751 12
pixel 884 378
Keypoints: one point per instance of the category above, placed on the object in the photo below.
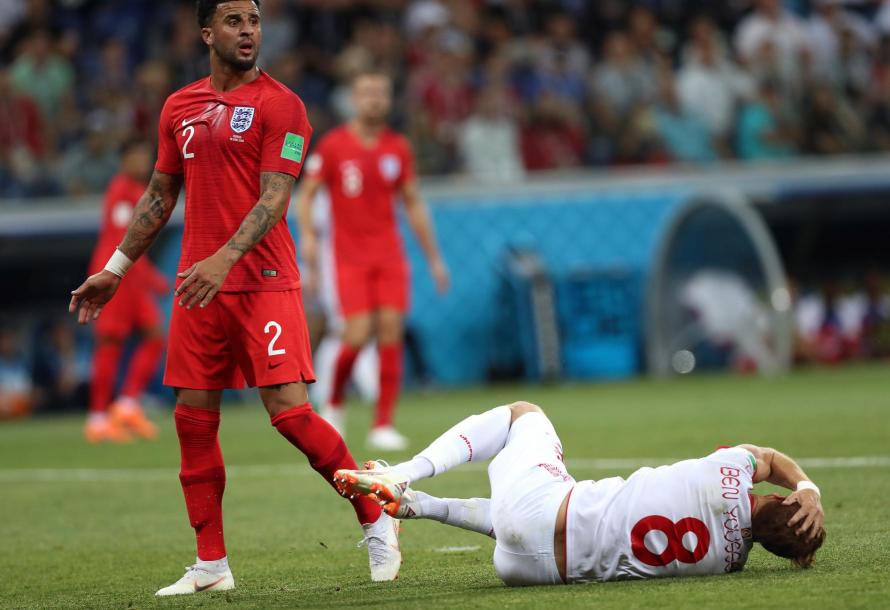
pixel 207 36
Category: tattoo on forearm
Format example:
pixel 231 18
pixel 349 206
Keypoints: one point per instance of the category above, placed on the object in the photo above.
pixel 151 214
pixel 276 190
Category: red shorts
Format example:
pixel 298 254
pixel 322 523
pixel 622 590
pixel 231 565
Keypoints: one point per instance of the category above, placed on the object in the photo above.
pixel 257 337
pixel 364 288
pixel 132 309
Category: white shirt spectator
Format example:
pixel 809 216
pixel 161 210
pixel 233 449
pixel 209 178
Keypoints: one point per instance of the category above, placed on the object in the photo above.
pixel 489 149
pixel 783 31
pixel 712 92
pixel 488 141
pixel 825 28
pixel 424 15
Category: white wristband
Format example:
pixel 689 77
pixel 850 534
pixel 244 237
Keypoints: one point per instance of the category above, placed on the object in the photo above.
pixel 808 485
pixel 119 263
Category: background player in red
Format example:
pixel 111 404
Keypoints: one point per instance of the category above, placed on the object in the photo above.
pixel 134 310
pixel 236 139
pixel 364 165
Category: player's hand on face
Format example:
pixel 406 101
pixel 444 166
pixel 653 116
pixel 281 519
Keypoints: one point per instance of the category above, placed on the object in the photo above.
pixel 92 295
pixel 440 275
pixel 810 517
pixel 202 281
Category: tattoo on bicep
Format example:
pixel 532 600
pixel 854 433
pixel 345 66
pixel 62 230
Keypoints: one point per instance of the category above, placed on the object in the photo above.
pixel 151 214
pixel 275 189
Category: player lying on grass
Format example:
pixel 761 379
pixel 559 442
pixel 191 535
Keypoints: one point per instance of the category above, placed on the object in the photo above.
pixel 694 517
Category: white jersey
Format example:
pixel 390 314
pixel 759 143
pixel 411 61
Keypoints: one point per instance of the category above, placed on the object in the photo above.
pixel 689 518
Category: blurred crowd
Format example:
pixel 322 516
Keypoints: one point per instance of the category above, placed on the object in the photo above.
pixel 489 88
pixel 47 367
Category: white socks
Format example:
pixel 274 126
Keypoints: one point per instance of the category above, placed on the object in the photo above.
pixel 473 514
pixel 416 468
pixel 477 438
pixel 215 567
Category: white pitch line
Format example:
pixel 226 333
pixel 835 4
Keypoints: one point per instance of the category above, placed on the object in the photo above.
pixel 89 475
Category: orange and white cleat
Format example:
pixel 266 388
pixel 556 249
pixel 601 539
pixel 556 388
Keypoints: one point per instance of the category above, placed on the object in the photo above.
pixel 103 430
pixel 377 481
pixel 128 414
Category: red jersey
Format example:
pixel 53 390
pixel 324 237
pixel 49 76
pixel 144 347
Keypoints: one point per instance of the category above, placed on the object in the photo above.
pixel 120 200
pixel 362 181
pixel 221 142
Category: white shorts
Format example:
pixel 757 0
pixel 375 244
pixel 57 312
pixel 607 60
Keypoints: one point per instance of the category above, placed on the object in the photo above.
pixel 528 483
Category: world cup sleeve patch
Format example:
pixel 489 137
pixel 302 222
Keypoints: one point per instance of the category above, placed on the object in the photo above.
pixel 293 147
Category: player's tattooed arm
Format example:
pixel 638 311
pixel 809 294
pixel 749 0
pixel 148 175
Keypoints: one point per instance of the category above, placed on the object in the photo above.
pixel 204 279
pixel 152 212
pixel 275 189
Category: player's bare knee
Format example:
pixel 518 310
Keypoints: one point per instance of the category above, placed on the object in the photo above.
pixel 281 397
pixel 198 399
pixel 521 407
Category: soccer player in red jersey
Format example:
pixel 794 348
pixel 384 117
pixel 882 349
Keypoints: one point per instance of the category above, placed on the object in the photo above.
pixel 364 165
pixel 134 310
pixel 236 140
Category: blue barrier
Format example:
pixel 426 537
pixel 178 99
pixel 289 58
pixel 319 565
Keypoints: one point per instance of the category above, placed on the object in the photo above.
pixel 462 333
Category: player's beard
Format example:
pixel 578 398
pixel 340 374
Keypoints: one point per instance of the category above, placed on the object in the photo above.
pixel 230 57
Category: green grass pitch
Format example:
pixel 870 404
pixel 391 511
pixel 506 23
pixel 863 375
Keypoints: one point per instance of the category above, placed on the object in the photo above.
pixel 104 527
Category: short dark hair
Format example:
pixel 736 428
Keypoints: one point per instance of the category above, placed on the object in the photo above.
pixel 770 528
pixel 204 10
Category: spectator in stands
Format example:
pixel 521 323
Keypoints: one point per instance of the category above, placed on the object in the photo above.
pixel 830 126
pixel 489 140
pixel 43 74
pixel 621 87
pixel 764 131
pixel 425 20
pixel 623 80
pixel 653 43
pixel 16 391
pixel 152 87
pixel 771 33
pixel 357 57
pixel 857 66
pixel 561 62
pixel 443 93
pixel 841 41
pixel 279 31
pixel 553 136
pixel 182 49
pixel 684 135
pixel 88 166
pixel 710 85
pixel 61 368
pixel 22 144
pixel 94 63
